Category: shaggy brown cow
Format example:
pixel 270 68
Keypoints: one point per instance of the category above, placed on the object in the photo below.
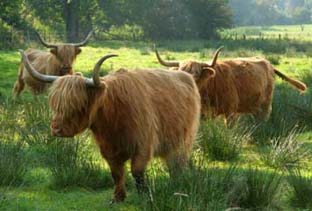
pixel 133 115
pixel 236 86
pixel 58 62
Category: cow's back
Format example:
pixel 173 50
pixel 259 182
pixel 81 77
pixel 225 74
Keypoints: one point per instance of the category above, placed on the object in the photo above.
pixel 252 79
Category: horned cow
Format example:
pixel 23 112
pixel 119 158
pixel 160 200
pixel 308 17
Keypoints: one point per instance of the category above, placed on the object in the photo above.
pixel 58 61
pixel 133 115
pixel 236 86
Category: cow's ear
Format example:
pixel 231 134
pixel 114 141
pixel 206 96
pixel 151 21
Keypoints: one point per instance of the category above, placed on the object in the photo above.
pixel 208 72
pixel 54 51
pixel 78 50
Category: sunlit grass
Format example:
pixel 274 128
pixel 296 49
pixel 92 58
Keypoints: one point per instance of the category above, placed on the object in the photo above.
pixel 299 32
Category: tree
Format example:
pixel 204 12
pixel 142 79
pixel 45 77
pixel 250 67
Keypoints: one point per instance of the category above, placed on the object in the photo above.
pixel 302 15
pixel 10 12
pixel 269 12
pixel 170 19
pixel 207 16
pixel 71 16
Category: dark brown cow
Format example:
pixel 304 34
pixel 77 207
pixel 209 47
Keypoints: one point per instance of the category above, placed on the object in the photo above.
pixel 58 61
pixel 236 86
pixel 133 115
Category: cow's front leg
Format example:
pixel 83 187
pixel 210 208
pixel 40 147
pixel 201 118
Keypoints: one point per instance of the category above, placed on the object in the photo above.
pixel 118 174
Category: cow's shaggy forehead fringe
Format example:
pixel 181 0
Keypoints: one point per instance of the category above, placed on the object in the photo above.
pixel 68 52
pixel 68 95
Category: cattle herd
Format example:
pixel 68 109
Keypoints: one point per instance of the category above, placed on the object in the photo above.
pixel 144 113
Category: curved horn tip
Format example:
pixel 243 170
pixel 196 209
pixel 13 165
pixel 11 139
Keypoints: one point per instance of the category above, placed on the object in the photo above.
pixel 109 56
pixel 165 63
pixel 46 44
pixel 101 60
pixel 85 41
pixel 215 57
pixel 90 33
pixel 219 49
pixel 96 77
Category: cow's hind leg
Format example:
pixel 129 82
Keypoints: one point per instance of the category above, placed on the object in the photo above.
pixel 118 174
pixel 138 166
pixel 266 107
pixel 176 162
pixel 264 113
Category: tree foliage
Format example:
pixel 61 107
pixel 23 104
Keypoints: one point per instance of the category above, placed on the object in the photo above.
pixel 159 19
pixel 171 19
pixel 10 12
pixel 271 12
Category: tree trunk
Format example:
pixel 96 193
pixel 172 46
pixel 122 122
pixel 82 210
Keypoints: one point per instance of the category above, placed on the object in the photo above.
pixel 71 17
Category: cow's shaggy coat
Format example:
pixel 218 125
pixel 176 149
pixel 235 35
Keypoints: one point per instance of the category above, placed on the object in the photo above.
pixel 236 86
pixel 133 115
pixel 59 61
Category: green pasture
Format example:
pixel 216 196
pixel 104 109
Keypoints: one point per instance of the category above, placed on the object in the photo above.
pixel 255 167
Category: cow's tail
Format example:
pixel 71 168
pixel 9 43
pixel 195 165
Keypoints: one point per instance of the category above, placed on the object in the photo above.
pixel 19 84
pixel 298 84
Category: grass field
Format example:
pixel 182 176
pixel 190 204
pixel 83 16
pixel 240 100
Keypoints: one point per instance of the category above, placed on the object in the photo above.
pixel 257 167
pixel 298 32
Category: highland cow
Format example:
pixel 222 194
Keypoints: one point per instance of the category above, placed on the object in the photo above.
pixel 59 61
pixel 236 86
pixel 133 115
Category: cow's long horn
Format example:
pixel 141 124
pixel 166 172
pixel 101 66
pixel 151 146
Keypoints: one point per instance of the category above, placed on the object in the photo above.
pixel 46 44
pixel 165 63
pixel 95 81
pixel 34 73
pixel 215 58
pixel 85 40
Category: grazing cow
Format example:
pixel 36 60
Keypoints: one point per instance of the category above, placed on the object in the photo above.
pixel 133 115
pixel 236 86
pixel 58 62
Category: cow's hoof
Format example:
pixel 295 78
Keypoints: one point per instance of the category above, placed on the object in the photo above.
pixel 115 201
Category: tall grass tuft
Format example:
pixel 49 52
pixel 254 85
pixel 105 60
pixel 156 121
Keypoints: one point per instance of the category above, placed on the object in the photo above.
pixel 3 198
pixel 301 194
pixel 73 165
pixel 286 152
pixel 12 150
pixel 222 143
pixel 12 163
pixel 194 189
pixel 258 190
